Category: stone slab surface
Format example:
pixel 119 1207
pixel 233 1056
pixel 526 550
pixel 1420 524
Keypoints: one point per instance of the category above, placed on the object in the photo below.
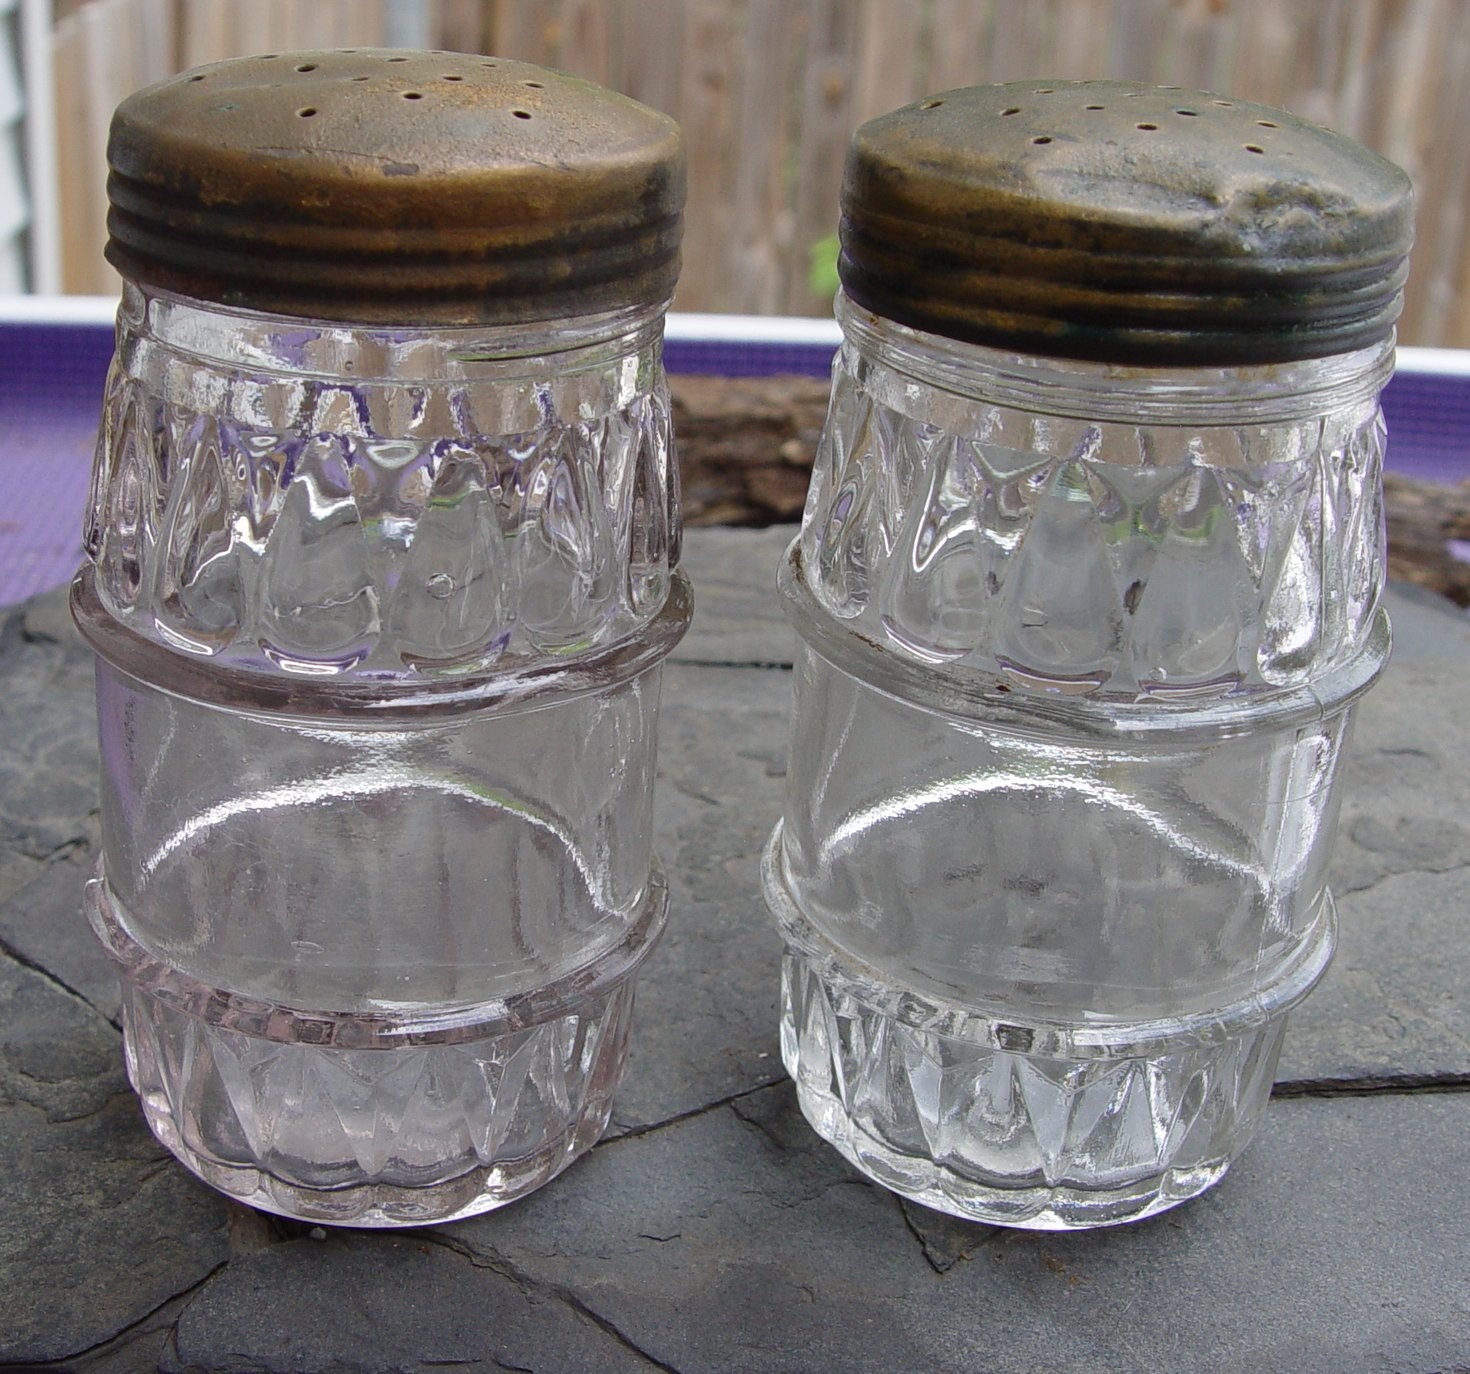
pixel 737 619
pixel 98 1225
pixel 712 1230
pixel 766 1252
pixel 380 1302
pixel 706 1024
pixel 734 1241
pixel 42 925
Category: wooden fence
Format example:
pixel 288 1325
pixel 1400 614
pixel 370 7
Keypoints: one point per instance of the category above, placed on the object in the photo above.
pixel 768 92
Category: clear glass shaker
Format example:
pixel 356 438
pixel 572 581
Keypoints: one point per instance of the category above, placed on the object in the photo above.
pixel 1087 585
pixel 383 565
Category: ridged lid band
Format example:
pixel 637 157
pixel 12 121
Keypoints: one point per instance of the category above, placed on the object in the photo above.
pixel 391 187
pixel 1112 221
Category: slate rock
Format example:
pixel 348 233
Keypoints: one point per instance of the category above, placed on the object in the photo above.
pixel 57 1056
pixel 735 1240
pixel 1406 790
pixel 737 615
pixel 1392 1008
pixel 98 1224
pixel 47 618
pixel 48 763
pixel 723 1243
pixel 1425 624
pixel 380 1304
pixel 43 924
pixel 705 1024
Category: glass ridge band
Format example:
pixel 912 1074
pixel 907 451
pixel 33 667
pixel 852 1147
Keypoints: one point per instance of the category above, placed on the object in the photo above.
pixel 981 697
pixel 400 1028
pixel 1010 1030
pixel 375 701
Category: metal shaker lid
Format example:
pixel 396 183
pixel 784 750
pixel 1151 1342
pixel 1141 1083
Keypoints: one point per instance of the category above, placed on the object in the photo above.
pixel 395 187
pixel 1122 222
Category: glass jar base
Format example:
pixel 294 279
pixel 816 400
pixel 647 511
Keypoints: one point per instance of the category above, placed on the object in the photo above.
pixel 402 1118
pixel 1012 1138
pixel 1033 1209
pixel 376 1138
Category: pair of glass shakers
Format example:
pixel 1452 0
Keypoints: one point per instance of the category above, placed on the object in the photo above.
pixel 383 563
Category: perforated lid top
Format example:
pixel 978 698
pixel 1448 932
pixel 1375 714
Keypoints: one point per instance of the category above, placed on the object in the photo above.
pixel 396 187
pixel 1122 222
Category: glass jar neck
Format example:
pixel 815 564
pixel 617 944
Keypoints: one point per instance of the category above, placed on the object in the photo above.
pixel 299 347
pixel 1113 391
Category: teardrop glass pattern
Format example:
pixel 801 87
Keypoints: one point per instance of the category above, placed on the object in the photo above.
pixel 1060 611
pixel 404 527
pixel 1077 560
pixel 199 600
pixel 933 593
pixel 318 609
pixel 450 608
pixel 561 547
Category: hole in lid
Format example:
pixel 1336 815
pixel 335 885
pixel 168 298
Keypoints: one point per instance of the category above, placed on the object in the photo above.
pixel 454 78
pixel 1014 109
pixel 534 85
pixel 1094 107
pixel 521 114
pixel 412 95
pixel 1251 148
pixel 307 112
pixel 931 104
pixel 1146 126
pixel 1191 114
pixel 1266 124
pixel 307 67
pixel 266 56
pixel 346 49
pixel 360 78
pixel 196 78
pixel 398 59
pixel 1043 139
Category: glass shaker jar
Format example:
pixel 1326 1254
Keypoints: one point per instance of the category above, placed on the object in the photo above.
pixel 383 564
pixel 1087 584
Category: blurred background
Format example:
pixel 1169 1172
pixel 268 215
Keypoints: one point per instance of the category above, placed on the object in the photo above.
pixel 768 92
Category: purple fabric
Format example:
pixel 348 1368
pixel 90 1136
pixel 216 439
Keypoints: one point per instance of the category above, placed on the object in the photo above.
pixel 51 379
pixel 1428 417
pixel 714 357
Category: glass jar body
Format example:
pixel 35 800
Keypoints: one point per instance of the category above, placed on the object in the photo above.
pixel 379 617
pixel 1080 651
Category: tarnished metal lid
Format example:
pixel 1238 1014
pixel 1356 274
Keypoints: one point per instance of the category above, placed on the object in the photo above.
pixel 395 187
pixel 1115 221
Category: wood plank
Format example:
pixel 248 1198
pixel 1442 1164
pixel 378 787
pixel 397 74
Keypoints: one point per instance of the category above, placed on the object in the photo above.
pixel 758 222
pixel 707 112
pixel 74 176
pixel 962 31
pixel 652 53
pixel 207 31
pixel 459 26
pixel 826 121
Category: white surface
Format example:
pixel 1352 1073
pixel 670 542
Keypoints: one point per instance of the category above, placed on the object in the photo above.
pixel 786 329
pixel 1450 362
pixel 40 145
pixel 57 309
